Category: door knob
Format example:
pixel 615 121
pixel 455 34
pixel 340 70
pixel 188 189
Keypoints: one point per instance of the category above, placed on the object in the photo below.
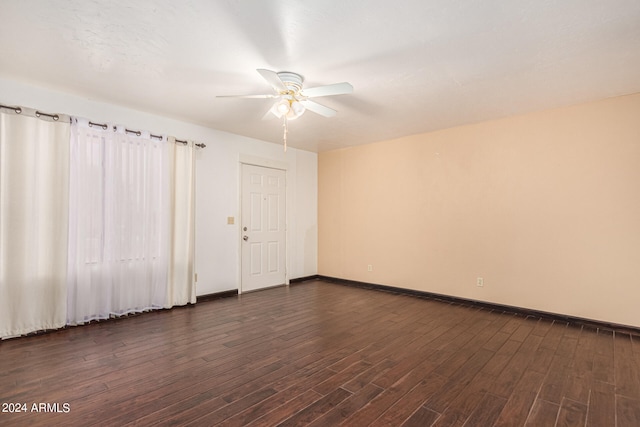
pixel 245 238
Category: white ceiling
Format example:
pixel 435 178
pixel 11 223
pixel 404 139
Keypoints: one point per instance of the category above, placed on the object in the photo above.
pixel 416 65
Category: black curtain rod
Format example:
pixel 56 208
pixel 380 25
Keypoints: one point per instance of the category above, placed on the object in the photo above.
pixel 17 110
pixel 104 126
pixel 55 117
pixel 138 133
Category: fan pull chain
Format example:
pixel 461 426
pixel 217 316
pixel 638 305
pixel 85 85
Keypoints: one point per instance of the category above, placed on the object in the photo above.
pixel 284 137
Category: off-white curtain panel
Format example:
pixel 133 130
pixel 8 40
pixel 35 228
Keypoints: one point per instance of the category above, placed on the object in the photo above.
pixel 94 223
pixel 131 226
pixel 181 289
pixel 34 169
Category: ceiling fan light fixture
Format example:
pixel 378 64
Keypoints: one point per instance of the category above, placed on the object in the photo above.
pixel 282 108
pixel 296 110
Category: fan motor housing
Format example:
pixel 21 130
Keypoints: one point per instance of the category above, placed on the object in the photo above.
pixel 293 81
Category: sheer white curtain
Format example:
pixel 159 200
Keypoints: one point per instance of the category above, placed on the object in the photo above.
pixel 93 223
pixel 119 222
pixel 34 159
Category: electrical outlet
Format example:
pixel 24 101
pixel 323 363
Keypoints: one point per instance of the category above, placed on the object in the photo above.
pixel 480 282
pixel 369 267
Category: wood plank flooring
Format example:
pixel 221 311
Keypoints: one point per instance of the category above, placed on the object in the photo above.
pixel 323 354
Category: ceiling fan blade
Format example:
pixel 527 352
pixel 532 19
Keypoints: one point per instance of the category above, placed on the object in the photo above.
pixel 318 108
pixel 269 114
pixel 272 78
pixel 264 96
pixel 334 89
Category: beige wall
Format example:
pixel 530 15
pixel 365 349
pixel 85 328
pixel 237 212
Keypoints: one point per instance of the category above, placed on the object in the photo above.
pixel 545 207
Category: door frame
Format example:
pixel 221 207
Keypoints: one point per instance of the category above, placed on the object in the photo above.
pixel 269 164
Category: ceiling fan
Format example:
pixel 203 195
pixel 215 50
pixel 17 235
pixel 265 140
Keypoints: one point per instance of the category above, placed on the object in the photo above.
pixel 292 100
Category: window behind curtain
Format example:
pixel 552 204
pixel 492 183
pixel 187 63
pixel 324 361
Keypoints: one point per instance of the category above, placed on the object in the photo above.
pixel 119 223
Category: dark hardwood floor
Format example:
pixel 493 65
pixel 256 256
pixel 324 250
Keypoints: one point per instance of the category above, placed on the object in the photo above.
pixel 323 354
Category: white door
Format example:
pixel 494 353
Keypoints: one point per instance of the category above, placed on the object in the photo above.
pixel 263 227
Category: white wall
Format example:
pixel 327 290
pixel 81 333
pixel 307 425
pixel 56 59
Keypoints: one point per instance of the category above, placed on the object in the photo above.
pixel 217 182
